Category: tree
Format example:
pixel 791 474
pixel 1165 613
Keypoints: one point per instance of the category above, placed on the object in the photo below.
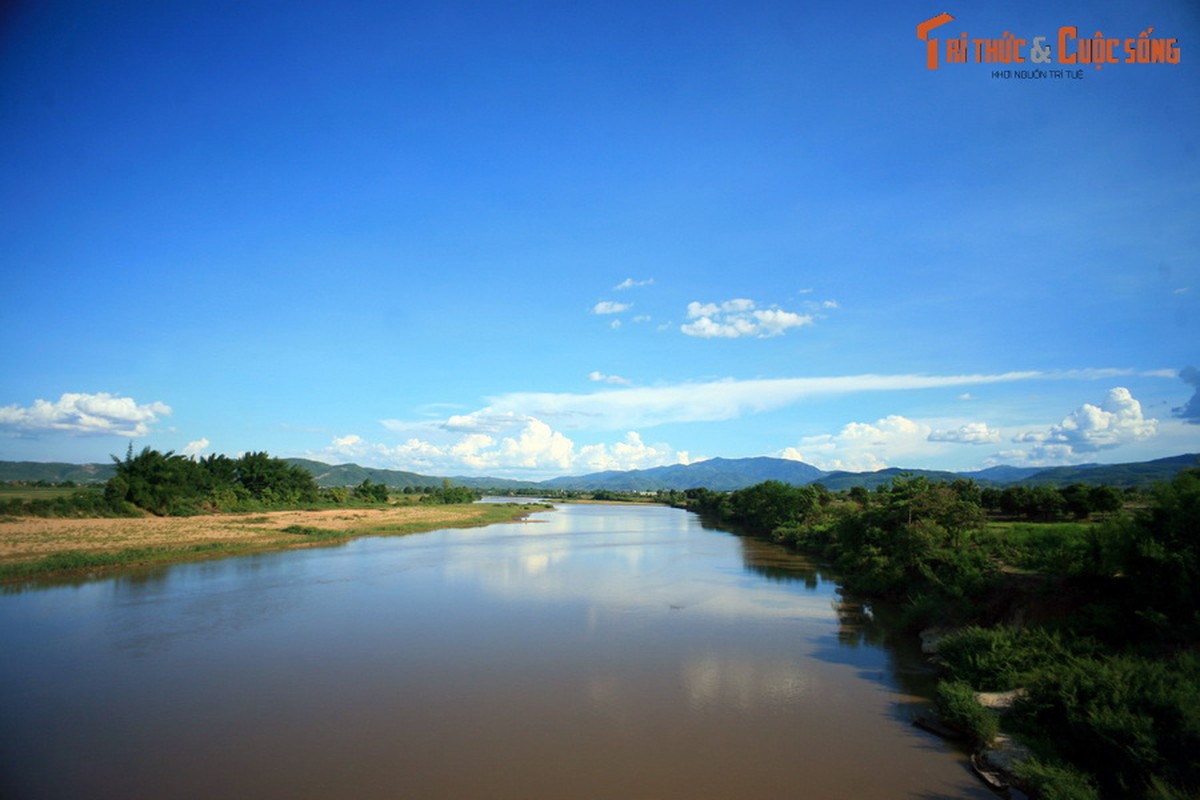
pixel 1106 499
pixel 371 492
pixel 1077 499
pixel 166 483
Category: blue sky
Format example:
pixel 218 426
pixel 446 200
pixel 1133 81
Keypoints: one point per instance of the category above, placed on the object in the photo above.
pixel 526 240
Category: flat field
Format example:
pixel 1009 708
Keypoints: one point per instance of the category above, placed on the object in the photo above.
pixel 35 546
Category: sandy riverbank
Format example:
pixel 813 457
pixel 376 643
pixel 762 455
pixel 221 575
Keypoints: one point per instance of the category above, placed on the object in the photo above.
pixel 26 541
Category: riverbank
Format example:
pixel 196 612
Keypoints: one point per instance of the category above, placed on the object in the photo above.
pixel 34 547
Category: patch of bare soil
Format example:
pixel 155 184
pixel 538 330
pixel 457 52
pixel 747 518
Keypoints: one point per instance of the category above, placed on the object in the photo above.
pixel 28 538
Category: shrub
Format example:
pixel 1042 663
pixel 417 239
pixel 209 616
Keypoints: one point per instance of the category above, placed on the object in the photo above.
pixel 1054 780
pixel 1000 658
pixel 959 709
pixel 1132 722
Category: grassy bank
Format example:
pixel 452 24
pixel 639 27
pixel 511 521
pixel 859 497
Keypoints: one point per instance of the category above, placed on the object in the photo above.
pixel 1091 627
pixel 39 547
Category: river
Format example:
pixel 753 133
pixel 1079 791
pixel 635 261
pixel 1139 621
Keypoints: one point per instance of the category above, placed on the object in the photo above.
pixel 595 651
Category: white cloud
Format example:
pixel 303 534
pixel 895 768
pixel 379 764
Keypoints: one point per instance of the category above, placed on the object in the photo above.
pixel 517 445
pixel 600 377
pixel 529 431
pixel 970 433
pixel 863 447
pixel 630 283
pixel 475 422
pixel 80 413
pixel 739 317
pixel 610 307
pixel 630 453
pixel 193 449
pixel 712 401
pixel 537 446
pixel 1116 421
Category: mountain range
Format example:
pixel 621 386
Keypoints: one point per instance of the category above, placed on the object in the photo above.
pixel 718 474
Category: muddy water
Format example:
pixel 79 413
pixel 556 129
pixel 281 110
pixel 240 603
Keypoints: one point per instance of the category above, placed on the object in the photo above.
pixel 597 652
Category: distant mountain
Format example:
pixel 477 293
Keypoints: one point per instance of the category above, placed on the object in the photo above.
pixel 1005 474
pixel 492 483
pixel 55 472
pixel 352 475
pixel 1141 473
pixel 717 474
pixel 837 481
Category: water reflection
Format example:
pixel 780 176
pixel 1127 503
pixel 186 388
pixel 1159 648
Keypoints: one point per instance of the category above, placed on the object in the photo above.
pixel 596 651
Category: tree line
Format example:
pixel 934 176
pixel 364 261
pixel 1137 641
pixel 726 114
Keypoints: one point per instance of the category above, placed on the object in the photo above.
pixel 169 484
pixel 172 484
pixel 1099 622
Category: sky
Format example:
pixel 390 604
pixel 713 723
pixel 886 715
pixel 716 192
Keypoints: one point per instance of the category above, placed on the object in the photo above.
pixel 528 239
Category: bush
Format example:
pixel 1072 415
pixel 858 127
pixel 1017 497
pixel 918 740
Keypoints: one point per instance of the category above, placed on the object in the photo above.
pixel 958 708
pixel 1054 780
pixel 1001 658
pixel 1132 722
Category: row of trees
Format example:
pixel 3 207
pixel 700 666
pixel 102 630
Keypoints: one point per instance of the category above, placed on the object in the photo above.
pixel 167 483
pixel 172 484
pixel 1113 680
pixel 1044 503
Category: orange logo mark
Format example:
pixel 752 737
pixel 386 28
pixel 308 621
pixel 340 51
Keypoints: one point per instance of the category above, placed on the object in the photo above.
pixel 931 49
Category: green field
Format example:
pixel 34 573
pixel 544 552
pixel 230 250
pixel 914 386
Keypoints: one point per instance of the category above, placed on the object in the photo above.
pixel 10 492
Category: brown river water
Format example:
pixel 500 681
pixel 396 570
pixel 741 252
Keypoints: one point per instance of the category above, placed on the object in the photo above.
pixel 593 651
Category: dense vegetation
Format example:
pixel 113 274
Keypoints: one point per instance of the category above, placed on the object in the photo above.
pixel 166 483
pixel 1094 612
pixel 58 501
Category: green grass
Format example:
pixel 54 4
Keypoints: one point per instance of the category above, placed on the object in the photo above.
pixel 1057 548
pixel 318 534
pixel 71 562
pixel 958 708
pixel 44 492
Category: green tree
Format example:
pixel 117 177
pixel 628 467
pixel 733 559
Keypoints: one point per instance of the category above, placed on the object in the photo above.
pixel 371 492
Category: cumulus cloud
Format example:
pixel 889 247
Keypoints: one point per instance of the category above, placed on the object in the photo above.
pixel 971 433
pixel 600 377
pixel 1116 421
pixel 740 317
pixel 193 449
pixel 80 413
pixel 863 446
pixel 1190 412
pixel 630 283
pixel 516 444
pixel 629 453
pixel 610 307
